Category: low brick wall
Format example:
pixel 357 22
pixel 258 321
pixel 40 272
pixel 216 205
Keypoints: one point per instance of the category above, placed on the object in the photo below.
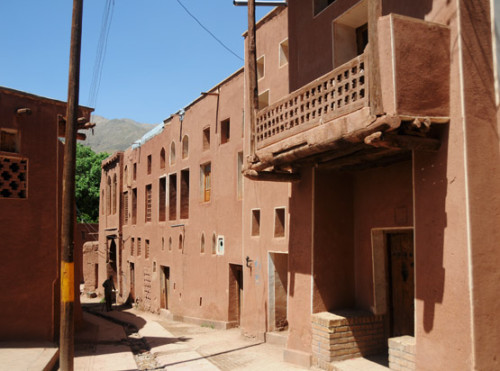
pixel 346 334
pixel 402 353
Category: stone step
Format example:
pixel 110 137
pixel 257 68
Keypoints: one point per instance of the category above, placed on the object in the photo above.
pixel 375 363
pixel 277 338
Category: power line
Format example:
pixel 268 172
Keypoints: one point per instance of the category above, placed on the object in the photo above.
pixel 101 52
pixel 209 32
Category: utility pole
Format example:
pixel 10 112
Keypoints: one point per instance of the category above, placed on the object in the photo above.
pixel 253 92
pixel 66 334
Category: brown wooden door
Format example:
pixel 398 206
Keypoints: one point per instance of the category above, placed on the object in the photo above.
pixel 132 281
pixel 164 287
pixel 401 283
pixel 235 292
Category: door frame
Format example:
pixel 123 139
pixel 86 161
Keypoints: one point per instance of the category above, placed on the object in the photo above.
pixel 380 266
pixel 271 281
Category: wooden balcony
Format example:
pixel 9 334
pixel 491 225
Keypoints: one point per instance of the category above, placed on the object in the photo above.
pixel 335 94
pixel 343 118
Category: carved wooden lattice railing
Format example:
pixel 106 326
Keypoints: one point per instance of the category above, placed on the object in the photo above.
pixel 341 91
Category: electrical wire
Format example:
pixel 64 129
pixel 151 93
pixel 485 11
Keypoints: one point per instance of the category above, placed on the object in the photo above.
pixel 101 52
pixel 209 32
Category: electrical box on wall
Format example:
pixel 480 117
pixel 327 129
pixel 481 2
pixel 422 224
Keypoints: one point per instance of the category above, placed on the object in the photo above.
pixel 220 245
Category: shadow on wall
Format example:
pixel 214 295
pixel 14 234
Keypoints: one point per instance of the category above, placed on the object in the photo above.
pixel 415 9
pixel 431 187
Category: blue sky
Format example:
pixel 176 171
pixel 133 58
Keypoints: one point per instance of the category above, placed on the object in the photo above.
pixel 158 58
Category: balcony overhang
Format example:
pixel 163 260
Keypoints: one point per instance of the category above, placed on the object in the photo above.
pixel 331 121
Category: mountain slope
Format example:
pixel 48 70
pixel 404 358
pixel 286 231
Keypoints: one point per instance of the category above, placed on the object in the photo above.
pixel 114 135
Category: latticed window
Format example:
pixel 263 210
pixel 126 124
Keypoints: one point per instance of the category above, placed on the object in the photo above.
pixel 13 177
pixel 132 245
pixel 139 251
pixel 134 205
pixel 146 248
pixel 148 203
pixel 125 207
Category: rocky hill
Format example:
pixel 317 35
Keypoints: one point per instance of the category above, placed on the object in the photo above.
pixel 114 135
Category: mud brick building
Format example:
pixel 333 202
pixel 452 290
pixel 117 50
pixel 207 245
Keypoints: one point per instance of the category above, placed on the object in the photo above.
pixel 367 220
pixel 30 215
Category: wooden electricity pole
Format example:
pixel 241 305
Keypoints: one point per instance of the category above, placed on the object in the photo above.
pixel 253 93
pixel 66 334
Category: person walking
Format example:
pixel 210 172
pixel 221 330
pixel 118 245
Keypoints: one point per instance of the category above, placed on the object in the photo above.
pixel 108 292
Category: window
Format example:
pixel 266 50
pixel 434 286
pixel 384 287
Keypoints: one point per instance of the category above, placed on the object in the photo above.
pixel 260 67
pixel 205 180
pixel 202 243
pixel 319 5
pixel 283 53
pixel 147 203
pixel 172 197
pixel 172 153
pixel 146 249
pixel 214 244
pixel 239 175
pixel 350 34
pixel 279 222
pixel 139 250
pixel 225 131
pixel 255 222
pixel 185 146
pixel 162 244
pixel 132 243
pixel 13 177
pixel 125 176
pixel 170 244
pixel 149 164
pixel 162 199
pixel 185 194
pixel 103 200
pixel 134 172
pixel 9 140
pixel 125 207
pixel 361 38
pixel 134 206
pixel 206 139
pixel 114 193
pixel 181 244
pixel 264 99
pixel 162 158
pixel 108 197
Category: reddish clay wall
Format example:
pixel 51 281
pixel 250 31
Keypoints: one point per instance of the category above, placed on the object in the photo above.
pixel 311 43
pixel 30 225
pixel 334 278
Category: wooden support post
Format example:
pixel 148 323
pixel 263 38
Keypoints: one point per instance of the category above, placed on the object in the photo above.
pixel 375 93
pixel 253 92
pixel 67 274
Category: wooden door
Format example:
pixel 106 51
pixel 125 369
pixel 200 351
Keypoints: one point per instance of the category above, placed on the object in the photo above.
pixel 164 287
pixel 401 283
pixel 132 281
pixel 235 292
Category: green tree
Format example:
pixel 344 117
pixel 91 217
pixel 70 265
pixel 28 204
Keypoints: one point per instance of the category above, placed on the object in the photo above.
pixel 87 183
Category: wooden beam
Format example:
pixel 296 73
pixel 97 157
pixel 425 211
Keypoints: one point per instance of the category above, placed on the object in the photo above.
pixel 394 141
pixel 271 176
